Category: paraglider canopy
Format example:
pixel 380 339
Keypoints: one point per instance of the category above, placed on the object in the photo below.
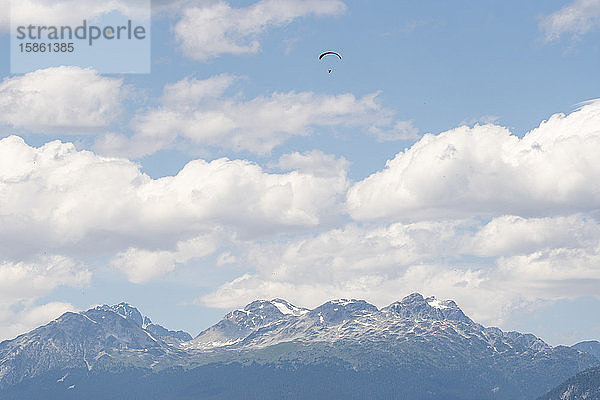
pixel 330 53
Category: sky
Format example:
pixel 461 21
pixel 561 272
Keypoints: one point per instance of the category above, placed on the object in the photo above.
pixel 453 151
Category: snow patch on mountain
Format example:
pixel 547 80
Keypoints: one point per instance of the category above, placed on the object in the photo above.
pixel 435 303
pixel 287 308
pixel 265 323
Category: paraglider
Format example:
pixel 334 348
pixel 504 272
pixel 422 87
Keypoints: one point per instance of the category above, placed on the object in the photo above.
pixel 330 53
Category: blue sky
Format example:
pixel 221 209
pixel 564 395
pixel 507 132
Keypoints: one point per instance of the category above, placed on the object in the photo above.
pixel 241 169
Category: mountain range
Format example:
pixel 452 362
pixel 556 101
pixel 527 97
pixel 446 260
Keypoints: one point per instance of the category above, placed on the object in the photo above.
pixel 416 348
pixel 583 386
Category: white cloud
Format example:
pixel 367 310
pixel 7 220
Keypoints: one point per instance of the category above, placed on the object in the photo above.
pixel 557 267
pixel 197 113
pixel 467 287
pixel 401 130
pixel 552 274
pixel 484 174
pixel 510 262
pixel 14 323
pixel 493 216
pixel 4 16
pixel 554 169
pixel 212 30
pixel 226 258
pixel 380 263
pixel 45 313
pixel 62 99
pixel 142 266
pixel 23 283
pixel 62 12
pixel 57 199
pixel 577 18
pixel 335 254
pixel 168 7
pixel 511 235
pixel 483 120
pixel 314 162
pixel 188 93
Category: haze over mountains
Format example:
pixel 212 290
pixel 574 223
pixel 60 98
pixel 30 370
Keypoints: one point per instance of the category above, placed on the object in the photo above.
pixel 418 348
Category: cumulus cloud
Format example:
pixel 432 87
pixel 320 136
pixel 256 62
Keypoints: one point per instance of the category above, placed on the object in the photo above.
pixel 313 162
pixel 509 262
pixel 198 113
pixel 576 18
pixel 226 258
pixel 55 198
pixel 379 263
pixel 64 12
pixel 401 130
pixel 209 31
pixel 467 286
pixel 486 171
pixel 554 273
pixel 4 16
pixel 169 7
pixel 14 323
pixel 511 235
pixel 62 99
pixel 141 265
pixel 493 216
pixel 23 283
pixel 470 213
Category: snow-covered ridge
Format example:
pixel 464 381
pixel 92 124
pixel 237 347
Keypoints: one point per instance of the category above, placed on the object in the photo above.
pixel 264 323
pixel 267 322
pixel 414 329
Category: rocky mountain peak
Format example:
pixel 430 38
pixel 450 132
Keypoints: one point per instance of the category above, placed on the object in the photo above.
pixel 415 306
pixel 590 346
pixel 123 309
pixel 240 323
pixel 287 308
pixel 256 313
pixel 339 310
pixel 262 307
pixel 260 312
pixel 415 332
